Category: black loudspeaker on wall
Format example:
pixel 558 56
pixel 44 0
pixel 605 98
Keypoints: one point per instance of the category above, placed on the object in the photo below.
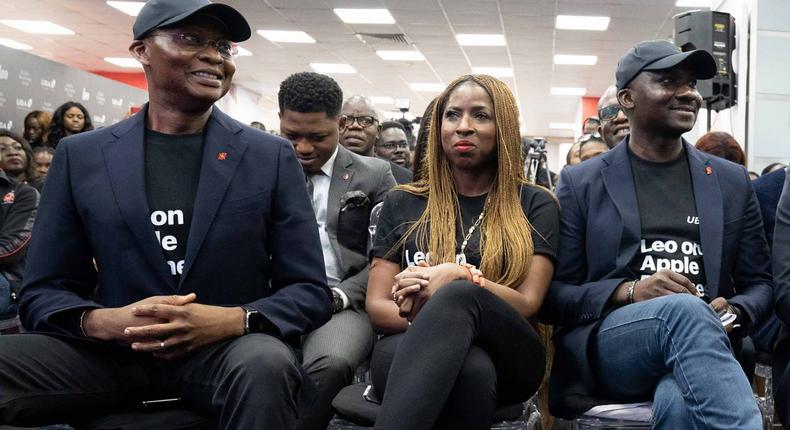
pixel 715 33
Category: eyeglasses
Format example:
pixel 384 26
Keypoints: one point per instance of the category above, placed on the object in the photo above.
pixel 16 146
pixel 592 119
pixel 586 137
pixel 609 112
pixel 194 42
pixel 390 146
pixel 363 121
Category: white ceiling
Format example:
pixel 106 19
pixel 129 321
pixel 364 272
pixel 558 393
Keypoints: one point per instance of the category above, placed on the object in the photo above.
pixel 430 26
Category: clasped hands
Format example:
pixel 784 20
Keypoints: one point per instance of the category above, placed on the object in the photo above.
pixel 415 285
pixel 166 326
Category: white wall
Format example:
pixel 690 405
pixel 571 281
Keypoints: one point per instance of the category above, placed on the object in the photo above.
pixel 245 106
pixel 557 148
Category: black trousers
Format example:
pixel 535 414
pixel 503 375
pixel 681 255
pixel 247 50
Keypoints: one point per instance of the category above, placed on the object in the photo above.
pixel 254 381
pixel 465 353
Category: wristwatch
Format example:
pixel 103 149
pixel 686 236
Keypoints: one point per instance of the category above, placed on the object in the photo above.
pixel 253 322
pixel 337 302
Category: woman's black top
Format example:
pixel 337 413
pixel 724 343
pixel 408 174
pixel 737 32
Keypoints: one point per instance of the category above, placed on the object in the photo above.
pixel 401 209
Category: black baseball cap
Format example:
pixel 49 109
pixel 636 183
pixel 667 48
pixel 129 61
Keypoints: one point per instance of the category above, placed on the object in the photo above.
pixel 662 55
pixel 161 13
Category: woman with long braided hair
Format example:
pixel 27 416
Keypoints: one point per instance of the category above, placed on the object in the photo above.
pixel 462 259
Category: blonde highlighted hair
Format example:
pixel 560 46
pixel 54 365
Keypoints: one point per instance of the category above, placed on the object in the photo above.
pixel 505 237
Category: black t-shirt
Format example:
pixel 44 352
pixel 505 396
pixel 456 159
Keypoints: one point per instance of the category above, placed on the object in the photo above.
pixel 670 225
pixel 172 170
pixel 402 209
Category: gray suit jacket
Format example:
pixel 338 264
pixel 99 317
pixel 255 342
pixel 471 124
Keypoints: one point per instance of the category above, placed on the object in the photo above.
pixel 358 183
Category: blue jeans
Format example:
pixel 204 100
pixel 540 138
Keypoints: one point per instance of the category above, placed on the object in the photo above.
pixel 7 307
pixel 674 350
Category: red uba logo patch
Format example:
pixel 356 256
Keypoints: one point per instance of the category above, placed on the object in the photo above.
pixel 9 198
pixel 222 156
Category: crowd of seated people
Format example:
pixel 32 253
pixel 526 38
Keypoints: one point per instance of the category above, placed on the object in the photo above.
pixel 17 216
pixel 199 258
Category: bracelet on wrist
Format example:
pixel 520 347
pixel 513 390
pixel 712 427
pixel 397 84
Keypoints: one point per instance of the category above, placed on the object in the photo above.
pixel 629 293
pixel 82 323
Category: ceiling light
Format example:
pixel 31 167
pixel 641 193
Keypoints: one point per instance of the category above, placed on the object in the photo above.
pixel 562 126
pixel 427 87
pixel 13 44
pixel 243 52
pixel 396 115
pixel 401 55
pixel 36 27
pixel 498 72
pixel 568 91
pixel 402 103
pixel 466 39
pixel 584 60
pixel 390 114
pixel 333 68
pixel 383 100
pixel 576 22
pixel 128 7
pixel 285 36
pixel 365 16
pixel 694 3
pixel 127 62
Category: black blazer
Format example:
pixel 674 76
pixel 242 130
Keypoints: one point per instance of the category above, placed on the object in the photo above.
pixel 252 240
pixel 402 175
pixel 600 234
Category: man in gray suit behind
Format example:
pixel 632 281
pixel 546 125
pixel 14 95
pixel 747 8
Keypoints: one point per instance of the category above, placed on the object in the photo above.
pixel 344 188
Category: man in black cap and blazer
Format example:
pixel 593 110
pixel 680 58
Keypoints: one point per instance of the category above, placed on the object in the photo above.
pixel 663 254
pixel 175 252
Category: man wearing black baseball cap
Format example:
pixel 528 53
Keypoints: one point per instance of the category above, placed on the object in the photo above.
pixel 175 252
pixel 647 315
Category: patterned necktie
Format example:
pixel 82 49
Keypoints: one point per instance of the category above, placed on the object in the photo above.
pixel 310 187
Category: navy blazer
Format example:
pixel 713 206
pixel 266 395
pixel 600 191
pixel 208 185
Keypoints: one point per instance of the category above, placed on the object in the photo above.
pixel 252 240
pixel 768 188
pixel 600 234
pixel 781 267
pixel 781 260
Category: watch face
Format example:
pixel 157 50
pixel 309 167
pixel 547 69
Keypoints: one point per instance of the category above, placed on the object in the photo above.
pixel 337 301
pixel 256 322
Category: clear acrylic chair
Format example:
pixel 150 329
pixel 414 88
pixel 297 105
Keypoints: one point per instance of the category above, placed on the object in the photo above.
pixel 621 417
pixel 763 387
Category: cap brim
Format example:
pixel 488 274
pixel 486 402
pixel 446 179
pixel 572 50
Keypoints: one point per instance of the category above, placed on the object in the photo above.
pixel 699 61
pixel 237 27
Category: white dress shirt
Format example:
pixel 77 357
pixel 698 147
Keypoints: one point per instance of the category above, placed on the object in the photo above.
pixel 320 201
